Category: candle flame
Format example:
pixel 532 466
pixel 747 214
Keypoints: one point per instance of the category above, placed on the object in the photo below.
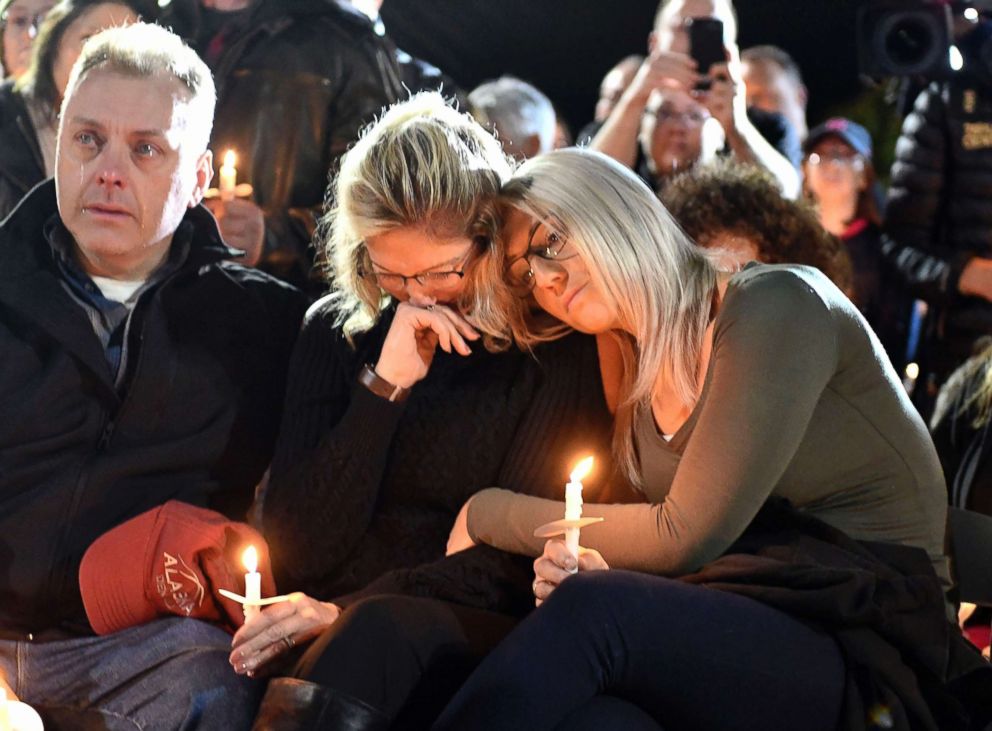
pixel 230 159
pixel 250 559
pixel 581 470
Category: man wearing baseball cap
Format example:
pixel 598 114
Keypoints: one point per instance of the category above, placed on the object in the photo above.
pixel 138 366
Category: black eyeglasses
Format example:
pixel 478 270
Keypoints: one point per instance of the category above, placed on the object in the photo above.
pixel 520 270
pixel 428 280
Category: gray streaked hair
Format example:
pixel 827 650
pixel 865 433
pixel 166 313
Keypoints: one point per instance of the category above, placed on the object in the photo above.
pixel 143 50
pixel 517 109
pixel 658 283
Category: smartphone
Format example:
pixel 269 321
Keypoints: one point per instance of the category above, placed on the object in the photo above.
pixel 705 45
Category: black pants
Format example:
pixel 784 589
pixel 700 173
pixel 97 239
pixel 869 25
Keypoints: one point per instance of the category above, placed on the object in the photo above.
pixel 690 657
pixel 404 656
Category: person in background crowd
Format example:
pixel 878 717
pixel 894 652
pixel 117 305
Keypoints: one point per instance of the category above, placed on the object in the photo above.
pixel 774 83
pixel 139 366
pixel 309 73
pixel 738 211
pixel 29 107
pixel 613 85
pixel 839 179
pixel 404 402
pixel 20 21
pixel 669 67
pixel 784 469
pixel 938 214
pixel 563 132
pixel 677 134
pixel 517 113
pixel 960 426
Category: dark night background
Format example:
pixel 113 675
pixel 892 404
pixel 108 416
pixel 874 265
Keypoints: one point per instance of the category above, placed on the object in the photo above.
pixel 565 47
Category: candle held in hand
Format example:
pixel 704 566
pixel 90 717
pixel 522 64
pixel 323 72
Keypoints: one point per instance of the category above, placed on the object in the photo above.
pixel 573 505
pixel 253 582
pixel 228 176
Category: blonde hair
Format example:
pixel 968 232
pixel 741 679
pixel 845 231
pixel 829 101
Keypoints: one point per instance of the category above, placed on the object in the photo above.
pixel 658 283
pixel 143 50
pixel 423 165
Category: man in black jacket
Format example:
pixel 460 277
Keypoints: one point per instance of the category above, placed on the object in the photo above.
pixel 296 81
pixel 138 366
pixel 938 216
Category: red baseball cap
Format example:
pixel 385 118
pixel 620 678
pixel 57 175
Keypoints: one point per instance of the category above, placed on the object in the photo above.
pixel 170 560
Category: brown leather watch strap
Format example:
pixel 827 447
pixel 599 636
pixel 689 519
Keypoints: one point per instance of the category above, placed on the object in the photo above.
pixel 380 386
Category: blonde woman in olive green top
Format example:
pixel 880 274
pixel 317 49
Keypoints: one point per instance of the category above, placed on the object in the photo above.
pixel 728 388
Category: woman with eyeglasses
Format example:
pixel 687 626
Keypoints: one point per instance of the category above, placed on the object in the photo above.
pixel 732 393
pixel 404 400
pixel 839 179
pixel 30 104
pixel 20 21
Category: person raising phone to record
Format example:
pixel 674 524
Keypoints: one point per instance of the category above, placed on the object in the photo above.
pixel 693 67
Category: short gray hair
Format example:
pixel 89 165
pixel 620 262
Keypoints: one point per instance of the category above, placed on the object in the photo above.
pixel 517 109
pixel 143 50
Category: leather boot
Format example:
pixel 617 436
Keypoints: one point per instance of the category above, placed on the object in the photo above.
pixel 296 705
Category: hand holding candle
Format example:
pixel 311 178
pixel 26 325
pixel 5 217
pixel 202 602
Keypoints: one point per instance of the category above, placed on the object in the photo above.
pixel 228 176
pixel 573 521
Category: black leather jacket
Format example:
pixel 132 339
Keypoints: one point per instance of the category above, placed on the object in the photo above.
pixel 295 86
pixel 21 164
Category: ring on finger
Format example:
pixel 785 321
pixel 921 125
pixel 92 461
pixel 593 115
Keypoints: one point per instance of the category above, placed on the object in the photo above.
pixel 429 308
pixel 289 642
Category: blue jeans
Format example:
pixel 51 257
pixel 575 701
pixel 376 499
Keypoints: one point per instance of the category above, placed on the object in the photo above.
pixel 168 674
pixel 692 658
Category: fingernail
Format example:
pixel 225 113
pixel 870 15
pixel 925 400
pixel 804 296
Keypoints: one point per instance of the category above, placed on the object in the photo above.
pixel 251 673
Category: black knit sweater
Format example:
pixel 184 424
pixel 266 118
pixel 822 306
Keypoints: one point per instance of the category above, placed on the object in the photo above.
pixel 364 492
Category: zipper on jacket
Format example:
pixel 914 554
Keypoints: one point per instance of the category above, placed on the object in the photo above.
pixel 108 432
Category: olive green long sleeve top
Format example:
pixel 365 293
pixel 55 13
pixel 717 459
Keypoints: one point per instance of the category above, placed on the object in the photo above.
pixel 799 401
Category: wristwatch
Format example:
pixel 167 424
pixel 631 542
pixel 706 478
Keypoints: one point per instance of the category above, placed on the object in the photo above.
pixel 380 386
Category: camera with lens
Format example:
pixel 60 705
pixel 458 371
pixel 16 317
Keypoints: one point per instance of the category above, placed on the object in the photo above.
pixel 905 38
pixel 931 39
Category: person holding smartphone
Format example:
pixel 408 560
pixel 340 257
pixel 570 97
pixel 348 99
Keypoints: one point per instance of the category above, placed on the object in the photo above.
pixel 708 72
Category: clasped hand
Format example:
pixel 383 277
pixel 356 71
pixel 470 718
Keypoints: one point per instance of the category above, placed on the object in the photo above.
pixel 277 629
pixel 242 226
pixel 414 336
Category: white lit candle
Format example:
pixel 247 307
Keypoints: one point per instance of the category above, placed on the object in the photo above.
pixel 4 711
pixel 253 583
pixel 573 505
pixel 909 379
pixel 17 716
pixel 228 176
